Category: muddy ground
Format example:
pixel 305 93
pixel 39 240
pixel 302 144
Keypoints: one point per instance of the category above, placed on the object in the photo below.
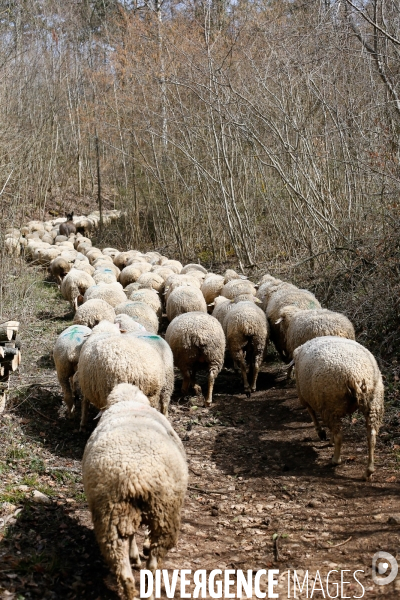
pixel 262 494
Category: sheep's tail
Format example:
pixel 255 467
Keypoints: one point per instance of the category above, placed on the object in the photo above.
pixel 357 393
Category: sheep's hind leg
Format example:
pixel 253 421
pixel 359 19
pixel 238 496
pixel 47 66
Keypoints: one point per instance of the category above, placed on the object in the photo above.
pixel 84 413
pixel 152 563
pixel 256 369
pixel 185 383
pixel 240 360
pixel 337 438
pixel 134 552
pixel 371 437
pixel 320 431
pixel 119 558
pixel 194 385
pixel 68 396
pixel 211 380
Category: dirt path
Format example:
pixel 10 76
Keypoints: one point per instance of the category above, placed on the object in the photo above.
pixel 258 466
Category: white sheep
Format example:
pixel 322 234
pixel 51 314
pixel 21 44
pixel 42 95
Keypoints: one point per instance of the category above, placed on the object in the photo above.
pixel 59 267
pixel 121 259
pixel 107 360
pixel 175 281
pixel 193 266
pixel 66 356
pixel 152 281
pixel 297 326
pixel 141 312
pixel 287 295
pixel 135 471
pixel 235 287
pixel 185 299
pixel 197 342
pixel 247 333
pixel 93 311
pixel 335 377
pixel 112 293
pixel 131 273
pixel 212 286
pixel 74 286
pixel 175 265
pixel 104 275
pixel 148 296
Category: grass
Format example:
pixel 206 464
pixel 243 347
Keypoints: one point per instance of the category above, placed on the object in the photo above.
pixel 12 495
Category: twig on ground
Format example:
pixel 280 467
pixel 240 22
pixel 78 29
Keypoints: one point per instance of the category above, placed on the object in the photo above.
pixel 195 472
pixel 339 544
pixel 194 489
pixel 276 547
pixel 41 414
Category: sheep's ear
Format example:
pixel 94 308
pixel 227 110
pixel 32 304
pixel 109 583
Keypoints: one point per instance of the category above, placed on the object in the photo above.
pixel 243 277
pixel 279 321
pixel 257 301
pixel 211 304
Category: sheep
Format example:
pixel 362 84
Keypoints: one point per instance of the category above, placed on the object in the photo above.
pixel 238 286
pixel 158 344
pixel 335 377
pixel 127 324
pixel 175 281
pixel 247 331
pixel 59 267
pixel 287 295
pixel 151 280
pixel 110 292
pixel 175 265
pixel 74 286
pixel 106 262
pixel 297 326
pixel 199 275
pixel 212 286
pixel 268 278
pixel 104 275
pixel 197 342
pixel 132 287
pixel 153 257
pixel 113 252
pixel 93 311
pixel 68 226
pixel 267 288
pixel 86 267
pixel 94 253
pixel 107 360
pixel 230 274
pixel 121 259
pixel 185 299
pixel 164 272
pixel 141 312
pixel 137 257
pixel 134 468
pixel 148 296
pixel 192 266
pixel 66 355
pixel 12 246
pixel 221 307
pixel 80 239
pixel 131 273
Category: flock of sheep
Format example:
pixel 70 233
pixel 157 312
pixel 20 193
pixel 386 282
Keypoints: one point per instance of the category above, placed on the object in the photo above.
pixel 134 465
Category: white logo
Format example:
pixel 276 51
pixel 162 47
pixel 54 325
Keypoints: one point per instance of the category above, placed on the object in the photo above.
pixel 381 561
